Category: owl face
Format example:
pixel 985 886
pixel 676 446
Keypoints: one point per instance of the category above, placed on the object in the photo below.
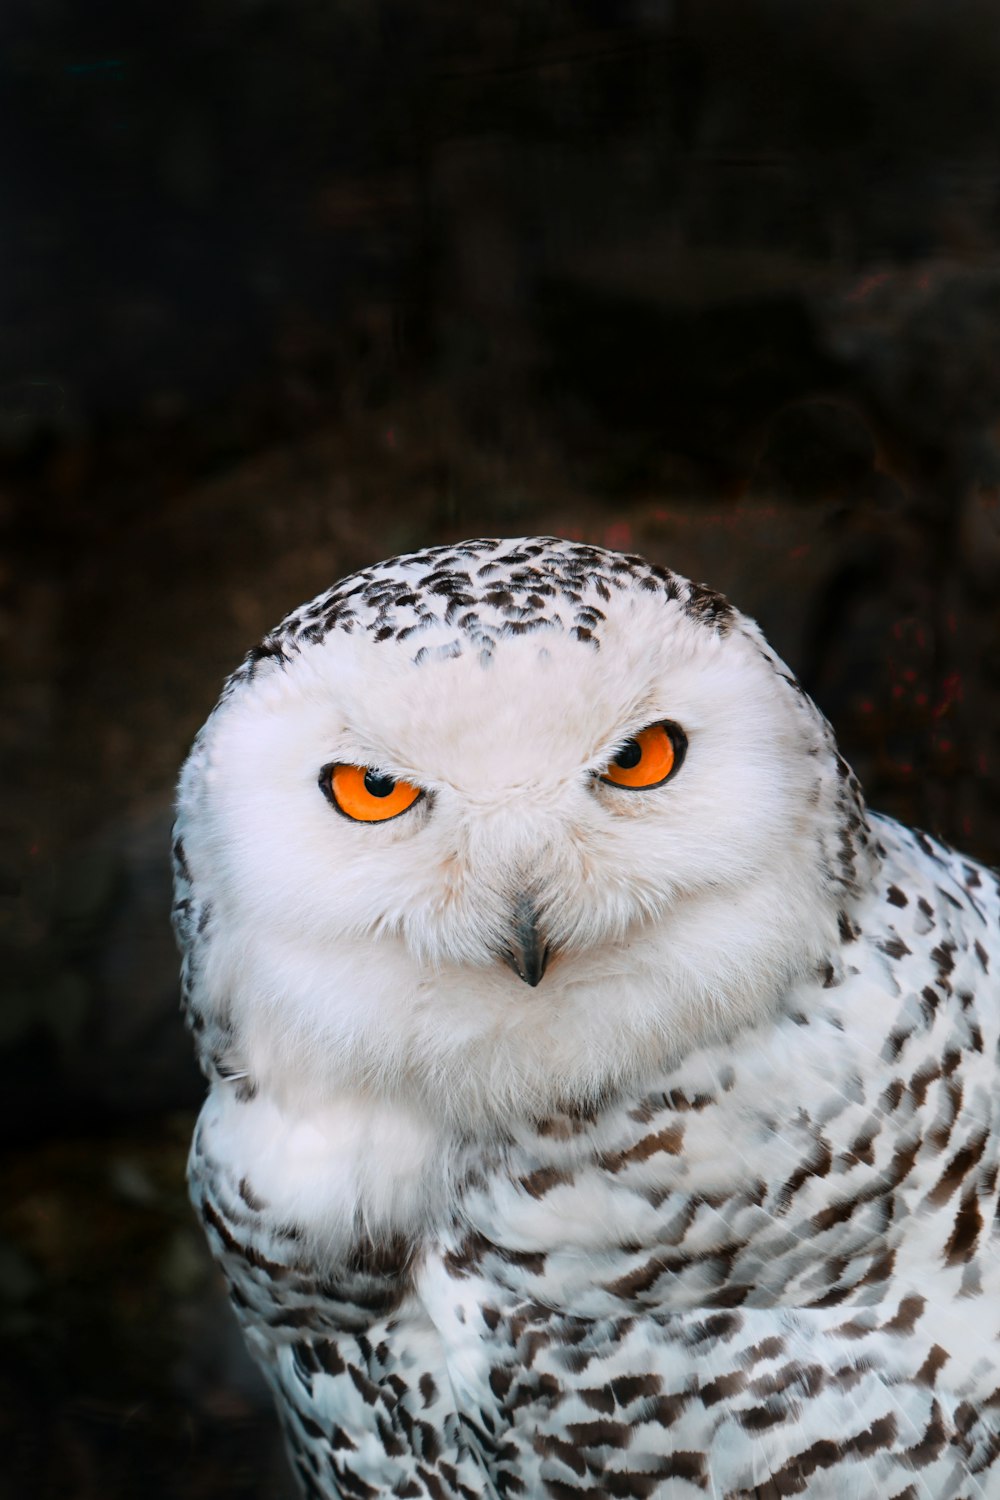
pixel 509 874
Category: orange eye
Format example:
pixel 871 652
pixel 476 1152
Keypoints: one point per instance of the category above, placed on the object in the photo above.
pixel 649 759
pixel 366 795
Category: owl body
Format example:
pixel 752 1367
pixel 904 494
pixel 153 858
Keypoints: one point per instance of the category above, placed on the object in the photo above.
pixel 707 1206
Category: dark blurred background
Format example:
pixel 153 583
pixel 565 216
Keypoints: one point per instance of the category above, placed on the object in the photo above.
pixel 290 285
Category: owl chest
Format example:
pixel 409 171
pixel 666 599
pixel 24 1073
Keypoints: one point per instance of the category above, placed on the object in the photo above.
pixel 701 1398
pixel 747 1205
pixel 592 1325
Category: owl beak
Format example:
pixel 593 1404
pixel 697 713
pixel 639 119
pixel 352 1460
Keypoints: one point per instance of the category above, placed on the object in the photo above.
pixel 526 952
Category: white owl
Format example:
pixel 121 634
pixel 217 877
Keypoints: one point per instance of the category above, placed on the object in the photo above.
pixel 602 1103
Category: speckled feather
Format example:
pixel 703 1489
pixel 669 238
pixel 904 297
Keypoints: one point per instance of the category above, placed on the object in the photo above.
pixel 766 1266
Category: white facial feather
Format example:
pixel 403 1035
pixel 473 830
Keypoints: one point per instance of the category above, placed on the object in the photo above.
pixel 364 957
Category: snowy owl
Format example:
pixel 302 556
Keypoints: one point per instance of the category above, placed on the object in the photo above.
pixel 602 1102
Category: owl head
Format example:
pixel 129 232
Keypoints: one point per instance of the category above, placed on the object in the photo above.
pixel 505 824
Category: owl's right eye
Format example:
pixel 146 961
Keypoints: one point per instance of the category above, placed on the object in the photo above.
pixel 367 795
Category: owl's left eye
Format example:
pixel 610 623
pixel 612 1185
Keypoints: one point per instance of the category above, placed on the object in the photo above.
pixel 367 795
pixel 648 760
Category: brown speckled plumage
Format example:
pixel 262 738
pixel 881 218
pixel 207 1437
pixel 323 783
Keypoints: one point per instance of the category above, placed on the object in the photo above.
pixel 768 1267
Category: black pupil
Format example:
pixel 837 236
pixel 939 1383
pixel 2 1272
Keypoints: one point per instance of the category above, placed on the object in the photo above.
pixel 628 756
pixel 378 785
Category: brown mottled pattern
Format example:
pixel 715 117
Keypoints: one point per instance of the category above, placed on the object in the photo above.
pixel 773 1273
pixel 485 590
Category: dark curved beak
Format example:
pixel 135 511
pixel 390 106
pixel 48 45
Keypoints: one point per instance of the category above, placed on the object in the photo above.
pixel 526 952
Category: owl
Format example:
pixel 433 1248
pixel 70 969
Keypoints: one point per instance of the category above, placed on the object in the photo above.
pixel 602 1102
